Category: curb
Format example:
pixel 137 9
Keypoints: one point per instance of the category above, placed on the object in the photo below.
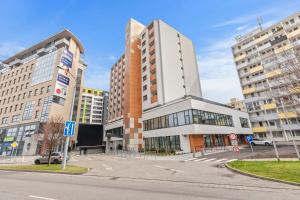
pixel 260 177
pixel 44 172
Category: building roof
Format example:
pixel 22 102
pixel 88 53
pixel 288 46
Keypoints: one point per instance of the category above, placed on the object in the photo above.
pixel 64 34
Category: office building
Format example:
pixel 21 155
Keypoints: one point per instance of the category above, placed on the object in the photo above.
pixel 261 57
pixel 237 104
pixel 93 106
pixel 156 100
pixel 35 86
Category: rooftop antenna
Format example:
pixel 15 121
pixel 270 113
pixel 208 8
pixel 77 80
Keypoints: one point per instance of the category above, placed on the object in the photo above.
pixel 259 20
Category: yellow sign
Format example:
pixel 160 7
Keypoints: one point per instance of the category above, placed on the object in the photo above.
pixel 14 145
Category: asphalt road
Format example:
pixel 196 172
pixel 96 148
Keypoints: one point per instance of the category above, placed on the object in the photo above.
pixel 135 179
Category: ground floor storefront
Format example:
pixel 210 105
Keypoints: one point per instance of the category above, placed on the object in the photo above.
pixel 190 143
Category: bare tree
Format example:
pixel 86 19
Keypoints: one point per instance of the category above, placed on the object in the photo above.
pixel 52 132
pixel 285 84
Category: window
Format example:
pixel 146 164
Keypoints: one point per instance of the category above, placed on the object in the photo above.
pixel 43 70
pixel 4 120
pixel 46 108
pixel 186 117
pixel 16 118
pixel 29 106
pixel 244 122
pixel 145 98
pixel 144 87
pixel 145 78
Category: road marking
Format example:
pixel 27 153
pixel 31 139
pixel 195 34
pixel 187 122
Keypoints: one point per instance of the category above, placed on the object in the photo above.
pixel 39 197
pixel 107 167
pixel 170 169
pixel 231 160
pixel 191 159
pixel 209 160
pixel 221 160
pixel 200 159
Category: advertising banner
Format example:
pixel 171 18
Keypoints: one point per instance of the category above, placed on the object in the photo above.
pixel 67 58
pixel 8 139
pixel 61 85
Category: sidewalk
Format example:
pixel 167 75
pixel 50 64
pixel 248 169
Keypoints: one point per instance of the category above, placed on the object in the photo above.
pixel 179 157
pixel 5 160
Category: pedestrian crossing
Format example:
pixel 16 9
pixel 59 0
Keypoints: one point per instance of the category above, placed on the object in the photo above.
pixel 209 160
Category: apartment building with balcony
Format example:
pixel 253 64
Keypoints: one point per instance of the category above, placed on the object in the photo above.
pixel 93 106
pixel 34 87
pixel 237 104
pixel 260 57
pixel 157 88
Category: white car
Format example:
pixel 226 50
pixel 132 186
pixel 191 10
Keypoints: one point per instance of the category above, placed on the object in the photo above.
pixel 265 142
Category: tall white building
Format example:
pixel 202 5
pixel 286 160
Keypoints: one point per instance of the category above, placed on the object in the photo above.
pixel 155 96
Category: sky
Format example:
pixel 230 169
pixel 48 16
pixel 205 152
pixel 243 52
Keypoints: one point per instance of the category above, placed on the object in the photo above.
pixel 100 25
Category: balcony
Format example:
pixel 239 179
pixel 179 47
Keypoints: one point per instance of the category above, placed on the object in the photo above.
pixel 262 38
pixel 256 69
pixel 294 90
pixel 269 106
pixel 241 65
pixel 154 99
pixel 240 57
pixel 152 68
pixel 249 90
pixel 285 115
pixel 263 47
pixel 291 126
pixel 153 88
pixel 153 78
pixel 283 48
pixel 273 73
pixel 294 33
pixel 259 129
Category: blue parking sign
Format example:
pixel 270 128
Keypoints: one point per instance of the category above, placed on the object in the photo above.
pixel 249 138
pixel 69 130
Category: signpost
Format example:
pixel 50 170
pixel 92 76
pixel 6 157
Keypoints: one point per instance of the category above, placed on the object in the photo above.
pixel 234 143
pixel 249 139
pixel 69 131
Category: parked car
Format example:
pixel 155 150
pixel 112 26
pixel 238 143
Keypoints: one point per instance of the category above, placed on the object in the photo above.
pixel 265 142
pixel 56 158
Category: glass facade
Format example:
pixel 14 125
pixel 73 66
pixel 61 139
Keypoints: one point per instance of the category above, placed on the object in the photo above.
pixel 168 143
pixel 191 116
pixel 44 67
pixel 28 110
pixel 46 107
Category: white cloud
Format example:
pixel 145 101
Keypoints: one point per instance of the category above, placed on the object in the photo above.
pixel 219 80
pixel 9 49
pixel 246 18
pixel 97 78
pixel 240 28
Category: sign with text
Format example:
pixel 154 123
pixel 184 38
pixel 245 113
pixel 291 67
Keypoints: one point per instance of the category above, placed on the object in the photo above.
pixel 67 58
pixel 61 86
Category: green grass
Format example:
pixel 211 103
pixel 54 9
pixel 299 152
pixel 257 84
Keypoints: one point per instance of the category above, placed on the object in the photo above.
pixel 70 169
pixel 283 170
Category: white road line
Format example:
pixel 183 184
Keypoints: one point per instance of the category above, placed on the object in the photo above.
pixel 38 197
pixel 107 167
pixel 231 160
pixel 209 160
pixel 200 159
pixel 221 160
pixel 191 159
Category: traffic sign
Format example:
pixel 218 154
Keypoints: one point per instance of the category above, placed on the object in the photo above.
pixel 14 144
pixel 232 136
pixel 234 142
pixel 69 129
pixel 236 149
pixel 249 138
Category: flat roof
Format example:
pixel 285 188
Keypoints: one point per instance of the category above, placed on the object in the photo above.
pixel 64 34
